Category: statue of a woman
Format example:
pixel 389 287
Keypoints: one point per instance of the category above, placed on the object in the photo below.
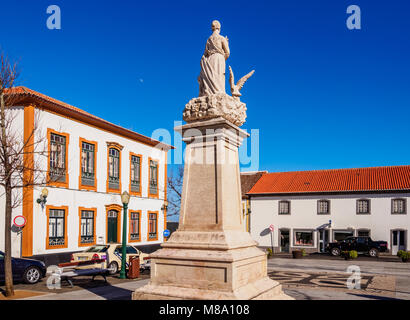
pixel 212 77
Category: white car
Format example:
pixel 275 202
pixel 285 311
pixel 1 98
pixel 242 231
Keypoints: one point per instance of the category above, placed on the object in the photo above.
pixel 112 253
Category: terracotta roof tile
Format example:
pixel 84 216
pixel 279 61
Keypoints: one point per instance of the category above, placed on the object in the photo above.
pixel 335 180
pixel 248 180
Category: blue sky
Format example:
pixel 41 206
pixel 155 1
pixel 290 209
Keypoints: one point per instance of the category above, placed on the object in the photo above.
pixel 322 96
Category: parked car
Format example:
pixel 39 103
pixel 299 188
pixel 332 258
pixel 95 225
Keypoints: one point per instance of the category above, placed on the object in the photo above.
pixel 112 253
pixel 28 270
pixel 363 245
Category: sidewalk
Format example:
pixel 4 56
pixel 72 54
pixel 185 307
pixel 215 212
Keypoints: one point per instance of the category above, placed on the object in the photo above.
pixel 121 291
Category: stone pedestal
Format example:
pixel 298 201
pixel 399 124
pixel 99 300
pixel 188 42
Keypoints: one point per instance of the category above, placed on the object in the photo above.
pixel 210 256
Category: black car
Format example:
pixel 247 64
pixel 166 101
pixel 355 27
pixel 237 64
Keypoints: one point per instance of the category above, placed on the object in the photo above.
pixel 28 270
pixel 363 245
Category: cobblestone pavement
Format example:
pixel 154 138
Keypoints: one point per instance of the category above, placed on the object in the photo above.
pixel 324 279
pixel 336 281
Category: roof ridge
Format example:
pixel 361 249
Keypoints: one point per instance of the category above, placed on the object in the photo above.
pixel 339 169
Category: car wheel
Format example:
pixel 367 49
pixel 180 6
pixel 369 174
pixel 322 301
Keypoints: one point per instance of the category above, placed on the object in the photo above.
pixel 113 268
pixel 335 252
pixel 373 252
pixel 32 275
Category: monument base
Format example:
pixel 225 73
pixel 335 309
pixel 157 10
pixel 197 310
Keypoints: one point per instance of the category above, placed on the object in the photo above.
pixel 262 289
pixel 225 270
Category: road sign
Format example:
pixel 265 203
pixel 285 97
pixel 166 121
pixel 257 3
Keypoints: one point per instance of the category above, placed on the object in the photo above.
pixel 19 221
pixel 271 228
pixel 166 233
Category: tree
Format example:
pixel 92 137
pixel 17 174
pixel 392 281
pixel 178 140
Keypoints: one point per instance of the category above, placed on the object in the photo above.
pixel 174 182
pixel 17 169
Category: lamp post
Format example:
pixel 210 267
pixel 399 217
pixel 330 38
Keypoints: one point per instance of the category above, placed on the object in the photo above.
pixel 125 199
pixel 43 198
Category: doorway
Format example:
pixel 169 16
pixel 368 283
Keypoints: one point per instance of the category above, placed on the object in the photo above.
pixel 284 240
pixel 112 226
pixel 323 239
pixel 398 241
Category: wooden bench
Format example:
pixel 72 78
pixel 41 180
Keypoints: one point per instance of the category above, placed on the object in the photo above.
pixel 68 275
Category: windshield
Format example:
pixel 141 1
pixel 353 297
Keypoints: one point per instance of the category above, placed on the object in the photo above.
pixel 97 249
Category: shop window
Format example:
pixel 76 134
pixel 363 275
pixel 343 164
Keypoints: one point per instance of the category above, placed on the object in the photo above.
pixel 342 235
pixel 303 238
pixel 363 233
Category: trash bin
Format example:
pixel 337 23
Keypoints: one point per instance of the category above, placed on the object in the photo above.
pixel 134 267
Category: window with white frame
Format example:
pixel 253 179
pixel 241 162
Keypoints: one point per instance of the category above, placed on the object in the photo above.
pixel 284 207
pixel 323 207
pixel 398 206
pixel 363 206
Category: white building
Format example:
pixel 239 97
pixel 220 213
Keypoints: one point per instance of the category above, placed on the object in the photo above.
pixel 308 209
pixel 89 163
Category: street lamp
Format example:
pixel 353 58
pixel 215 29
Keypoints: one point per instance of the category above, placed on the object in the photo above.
pixel 125 199
pixel 43 198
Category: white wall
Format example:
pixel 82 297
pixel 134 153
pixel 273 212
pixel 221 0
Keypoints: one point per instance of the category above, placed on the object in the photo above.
pixel 342 213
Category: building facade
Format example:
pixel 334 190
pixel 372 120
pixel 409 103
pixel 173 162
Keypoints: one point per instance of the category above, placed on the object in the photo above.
pixel 88 164
pixel 312 208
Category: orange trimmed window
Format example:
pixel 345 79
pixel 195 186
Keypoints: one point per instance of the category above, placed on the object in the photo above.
pixel 152 226
pixel 135 174
pixel 56 227
pixel 114 167
pixel 88 165
pixel 153 178
pixel 58 158
pixel 87 219
pixel 135 226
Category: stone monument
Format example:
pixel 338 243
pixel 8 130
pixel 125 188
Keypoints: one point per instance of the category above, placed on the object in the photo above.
pixel 210 256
